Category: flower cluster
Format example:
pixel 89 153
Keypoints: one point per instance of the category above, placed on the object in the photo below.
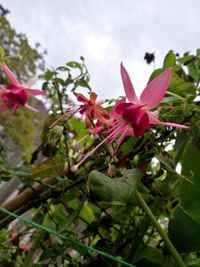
pixel 130 116
pixel 15 95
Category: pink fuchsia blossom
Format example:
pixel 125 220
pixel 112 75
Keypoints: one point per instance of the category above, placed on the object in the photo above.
pixel 90 109
pixel 135 117
pixel 137 112
pixel 16 94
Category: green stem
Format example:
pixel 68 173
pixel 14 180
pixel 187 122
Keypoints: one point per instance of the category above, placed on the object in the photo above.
pixel 173 94
pixel 155 207
pixel 165 238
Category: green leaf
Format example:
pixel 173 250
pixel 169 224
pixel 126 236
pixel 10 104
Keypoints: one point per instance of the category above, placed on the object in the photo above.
pixel 62 68
pixel 128 144
pixel 48 75
pixel 186 58
pixel 190 193
pixel 184 232
pixel 87 213
pixel 149 256
pixel 1 52
pixel 167 162
pixel 180 85
pixel 5 174
pixel 74 64
pixel 82 83
pixel 49 167
pixel 155 73
pixel 78 127
pixel 193 71
pixel 48 253
pixel 170 59
pixel 59 213
pixel 115 191
pixel 59 81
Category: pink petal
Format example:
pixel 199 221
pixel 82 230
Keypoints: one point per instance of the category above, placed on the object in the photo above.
pixel 155 90
pixel 32 108
pixel 155 121
pixel 31 82
pixel 138 119
pixel 81 98
pixel 113 109
pixel 35 91
pixel 10 74
pixel 121 107
pixel 3 88
pixel 128 86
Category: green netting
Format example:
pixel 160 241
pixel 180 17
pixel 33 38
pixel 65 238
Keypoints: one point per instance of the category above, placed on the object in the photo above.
pixel 72 241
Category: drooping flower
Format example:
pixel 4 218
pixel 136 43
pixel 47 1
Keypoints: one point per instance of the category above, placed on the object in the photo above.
pixel 16 94
pixel 133 118
pixel 138 111
pixel 90 109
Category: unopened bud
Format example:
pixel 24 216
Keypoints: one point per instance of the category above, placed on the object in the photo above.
pixel 74 168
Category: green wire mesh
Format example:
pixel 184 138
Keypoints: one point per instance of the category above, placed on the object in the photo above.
pixel 63 237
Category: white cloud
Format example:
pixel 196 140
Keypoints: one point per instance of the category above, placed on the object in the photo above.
pixel 101 47
pixel 108 32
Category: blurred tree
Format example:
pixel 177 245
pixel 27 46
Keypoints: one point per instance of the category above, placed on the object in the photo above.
pixel 16 44
pixel 25 61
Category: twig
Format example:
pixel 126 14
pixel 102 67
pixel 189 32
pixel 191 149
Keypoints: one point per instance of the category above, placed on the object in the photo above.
pixel 165 238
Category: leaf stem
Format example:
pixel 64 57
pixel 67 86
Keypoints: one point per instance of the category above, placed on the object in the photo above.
pixel 165 238
pixel 155 208
pixel 173 94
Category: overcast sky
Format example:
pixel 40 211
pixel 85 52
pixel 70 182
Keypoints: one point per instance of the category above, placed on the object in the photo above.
pixel 108 32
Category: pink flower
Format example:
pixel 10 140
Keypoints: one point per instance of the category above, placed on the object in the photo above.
pixel 91 109
pixel 135 117
pixel 137 112
pixel 16 94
